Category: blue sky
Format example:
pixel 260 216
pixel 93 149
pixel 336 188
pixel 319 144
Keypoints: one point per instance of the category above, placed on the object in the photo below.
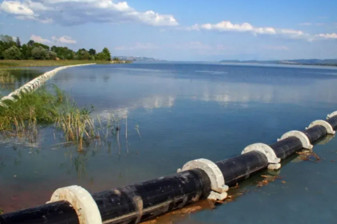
pixel 180 29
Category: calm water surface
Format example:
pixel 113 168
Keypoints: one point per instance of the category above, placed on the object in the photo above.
pixel 11 79
pixel 179 112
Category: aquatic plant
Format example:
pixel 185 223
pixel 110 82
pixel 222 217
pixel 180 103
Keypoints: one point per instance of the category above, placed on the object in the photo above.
pixel 77 125
pixel 46 106
pixel 20 118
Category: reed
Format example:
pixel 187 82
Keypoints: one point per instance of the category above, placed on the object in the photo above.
pixel 21 118
pixel 77 125
pixel 46 106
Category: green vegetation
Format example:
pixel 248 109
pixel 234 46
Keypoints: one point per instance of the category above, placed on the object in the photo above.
pixel 22 118
pixel 5 64
pixel 77 126
pixel 11 49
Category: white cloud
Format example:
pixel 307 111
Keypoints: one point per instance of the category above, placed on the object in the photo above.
pixel 64 40
pixel 227 26
pixel 16 8
pixel 72 12
pixel 327 36
pixel 54 40
pixel 39 39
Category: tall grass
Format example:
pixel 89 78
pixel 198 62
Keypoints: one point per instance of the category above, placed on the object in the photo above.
pixel 77 125
pixel 20 118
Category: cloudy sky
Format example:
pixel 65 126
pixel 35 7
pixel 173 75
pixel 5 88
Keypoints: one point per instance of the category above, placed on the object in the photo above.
pixel 180 29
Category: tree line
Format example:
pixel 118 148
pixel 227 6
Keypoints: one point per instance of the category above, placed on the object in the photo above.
pixel 12 49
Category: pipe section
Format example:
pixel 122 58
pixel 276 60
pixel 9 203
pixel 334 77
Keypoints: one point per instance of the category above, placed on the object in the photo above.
pixel 315 133
pixel 241 167
pixel 143 201
pixel 286 147
pixel 59 212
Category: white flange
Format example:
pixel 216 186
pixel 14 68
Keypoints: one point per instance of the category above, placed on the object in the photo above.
pixel 273 160
pixel 82 202
pixel 300 136
pixel 331 115
pixel 325 124
pixel 9 97
pixel 219 189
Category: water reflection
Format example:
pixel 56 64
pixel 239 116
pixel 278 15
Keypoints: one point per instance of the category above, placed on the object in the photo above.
pixel 160 85
pixel 11 79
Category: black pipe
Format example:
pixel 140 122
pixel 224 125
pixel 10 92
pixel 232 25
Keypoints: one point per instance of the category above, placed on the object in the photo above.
pixel 241 167
pixel 146 200
pixel 149 199
pixel 286 147
pixel 315 133
pixel 129 204
pixel 333 122
pixel 59 212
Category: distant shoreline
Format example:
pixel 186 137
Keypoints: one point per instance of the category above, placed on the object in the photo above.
pixel 303 62
pixel 44 63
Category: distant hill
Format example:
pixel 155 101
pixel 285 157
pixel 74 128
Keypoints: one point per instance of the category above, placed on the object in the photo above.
pixel 326 62
pixel 139 59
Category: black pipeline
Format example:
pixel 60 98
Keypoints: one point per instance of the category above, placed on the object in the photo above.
pixel 196 180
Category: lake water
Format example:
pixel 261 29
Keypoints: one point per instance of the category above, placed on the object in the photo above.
pixel 176 112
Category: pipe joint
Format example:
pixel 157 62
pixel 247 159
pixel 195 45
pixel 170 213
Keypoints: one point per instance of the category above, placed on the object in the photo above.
pixel 273 160
pixel 82 202
pixel 218 187
pixel 325 124
pixel 300 136
pixel 331 115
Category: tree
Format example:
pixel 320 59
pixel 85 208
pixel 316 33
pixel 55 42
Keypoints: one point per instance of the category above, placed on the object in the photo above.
pixel 31 43
pixel 12 53
pixel 83 54
pixel 52 55
pixel 107 54
pixel 104 55
pixel 18 42
pixel 26 51
pixel 63 52
pixel 40 53
pixel 92 52
pixel 5 43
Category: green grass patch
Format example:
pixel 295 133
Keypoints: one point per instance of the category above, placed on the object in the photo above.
pixel 41 63
pixel 21 119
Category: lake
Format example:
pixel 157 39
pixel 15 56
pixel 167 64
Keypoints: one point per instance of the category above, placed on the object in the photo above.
pixel 170 113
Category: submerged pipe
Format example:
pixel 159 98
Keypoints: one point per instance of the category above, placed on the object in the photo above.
pixel 130 204
pixel 198 179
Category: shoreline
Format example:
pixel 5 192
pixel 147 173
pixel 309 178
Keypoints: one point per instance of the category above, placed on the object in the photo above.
pixel 6 64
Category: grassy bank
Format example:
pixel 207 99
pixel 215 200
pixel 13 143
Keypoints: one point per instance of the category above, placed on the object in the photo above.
pixel 21 119
pixel 40 63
